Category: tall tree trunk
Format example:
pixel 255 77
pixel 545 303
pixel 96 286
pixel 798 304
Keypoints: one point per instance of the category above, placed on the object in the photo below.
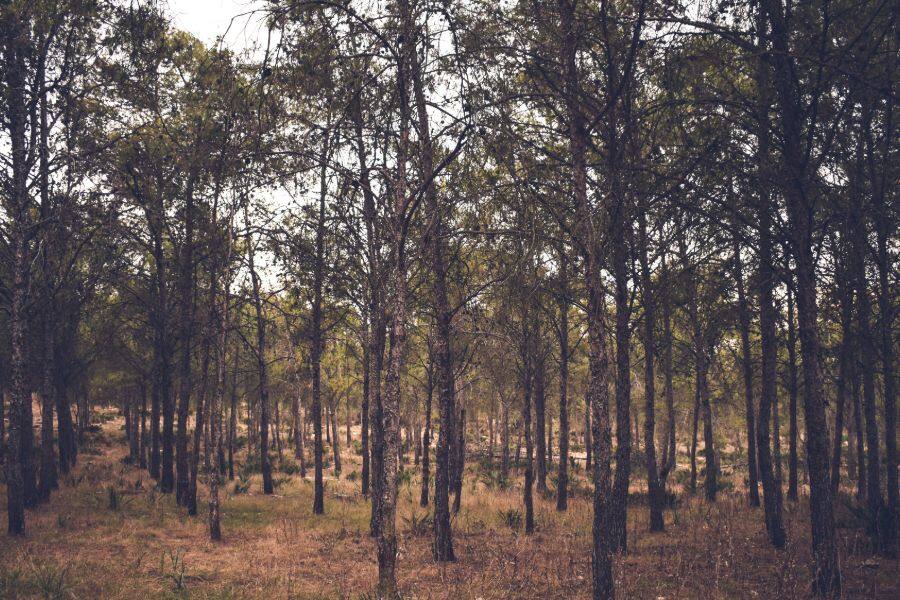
pixel 623 376
pixel 527 358
pixel 859 249
pixel 668 463
pixel 232 416
pixel 858 430
pixel 261 364
pixel 364 408
pixel 695 419
pixel 747 368
pixel 766 280
pixel 797 192
pixel 442 344
pixel 793 391
pixel 317 339
pixel 540 419
pixel 144 440
pixel 460 462
pixel 48 478
pixel 845 298
pixel 199 420
pixel 389 413
pixel 504 441
pixel 562 478
pixel 335 437
pixel 426 436
pixel 884 224
pixel 20 481
pixel 654 489
pixel 215 440
pixel 186 323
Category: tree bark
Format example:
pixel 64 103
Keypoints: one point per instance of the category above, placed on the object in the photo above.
pixel 261 364
pixel 186 323
pixel 317 339
pixel 562 479
pixel 827 571
pixel 747 369
pixel 654 489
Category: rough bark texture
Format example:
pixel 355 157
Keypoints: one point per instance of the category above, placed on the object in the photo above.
pixel 318 341
pixel 827 571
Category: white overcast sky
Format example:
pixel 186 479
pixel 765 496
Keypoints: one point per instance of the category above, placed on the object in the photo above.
pixel 208 19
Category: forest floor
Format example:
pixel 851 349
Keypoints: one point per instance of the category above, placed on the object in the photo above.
pixel 274 547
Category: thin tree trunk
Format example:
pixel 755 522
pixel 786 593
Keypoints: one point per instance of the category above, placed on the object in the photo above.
pixel 335 438
pixel 858 430
pixel 654 489
pixel 527 357
pixel 232 417
pixel 747 368
pixel 874 498
pixel 793 428
pixel 540 420
pixel 317 339
pixel 504 441
pixel 768 399
pixel 426 436
pixel 619 499
pixel 845 294
pixel 261 365
pixel 562 478
pixel 199 421
pixel 459 471
pixel 442 343
pixel 668 463
pixel 186 323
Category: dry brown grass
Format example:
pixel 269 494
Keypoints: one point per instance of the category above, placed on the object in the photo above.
pixel 274 547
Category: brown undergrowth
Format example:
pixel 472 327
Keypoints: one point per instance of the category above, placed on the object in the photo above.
pixel 77 546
